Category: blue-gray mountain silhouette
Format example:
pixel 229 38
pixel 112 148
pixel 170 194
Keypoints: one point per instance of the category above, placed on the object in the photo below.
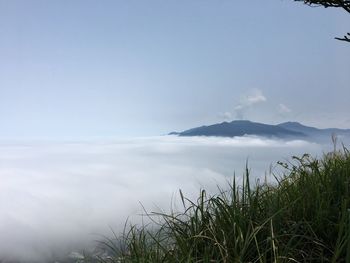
pixel 313 132
pixel 245 127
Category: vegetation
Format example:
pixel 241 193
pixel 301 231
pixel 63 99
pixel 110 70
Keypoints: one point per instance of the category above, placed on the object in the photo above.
pixel 303 217
pixel 344 4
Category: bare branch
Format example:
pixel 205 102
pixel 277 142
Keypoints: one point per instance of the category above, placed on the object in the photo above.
pixel 344 4
pixel 345 38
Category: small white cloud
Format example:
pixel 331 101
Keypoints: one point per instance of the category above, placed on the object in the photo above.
pixel 226 116
pixel 283 109
pixel 256 96
pixel 239 112
pixel 247 101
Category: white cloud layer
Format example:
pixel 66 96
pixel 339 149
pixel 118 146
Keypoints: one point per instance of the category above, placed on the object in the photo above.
pixel 55 197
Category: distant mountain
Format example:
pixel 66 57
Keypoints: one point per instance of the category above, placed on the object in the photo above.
pixel 240 128
pixel 313 132
pixel 293 130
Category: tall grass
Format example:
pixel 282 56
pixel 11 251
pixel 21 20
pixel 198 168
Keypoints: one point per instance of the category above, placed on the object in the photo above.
pixel 303 217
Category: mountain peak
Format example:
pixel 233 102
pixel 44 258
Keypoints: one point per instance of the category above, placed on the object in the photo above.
pixel 241 121
pixel 292 122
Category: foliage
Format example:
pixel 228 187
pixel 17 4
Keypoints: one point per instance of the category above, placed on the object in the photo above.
pixel 303 217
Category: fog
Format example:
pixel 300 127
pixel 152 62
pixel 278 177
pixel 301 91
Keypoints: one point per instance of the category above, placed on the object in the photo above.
pixel 59 197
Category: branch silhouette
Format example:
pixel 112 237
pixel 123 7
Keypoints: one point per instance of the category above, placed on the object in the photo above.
pixel 344 4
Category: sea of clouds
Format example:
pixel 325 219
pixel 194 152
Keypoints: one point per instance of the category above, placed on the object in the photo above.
pixel 59 197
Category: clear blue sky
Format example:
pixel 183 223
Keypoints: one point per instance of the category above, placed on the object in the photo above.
pixel 138 68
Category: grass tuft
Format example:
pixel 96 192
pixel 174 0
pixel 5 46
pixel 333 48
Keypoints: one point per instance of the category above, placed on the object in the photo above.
pixel 303 217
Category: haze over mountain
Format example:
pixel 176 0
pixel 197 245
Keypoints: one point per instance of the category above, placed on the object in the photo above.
pixel 293 130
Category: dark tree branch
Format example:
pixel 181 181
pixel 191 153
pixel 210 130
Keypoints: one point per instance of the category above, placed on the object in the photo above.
pixel 344 4
pixel 345 38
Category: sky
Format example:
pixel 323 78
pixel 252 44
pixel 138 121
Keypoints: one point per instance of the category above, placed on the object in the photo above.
pixel 139 68
pixel 119 69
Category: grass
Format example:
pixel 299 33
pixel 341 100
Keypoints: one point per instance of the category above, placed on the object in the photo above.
pixel 303 217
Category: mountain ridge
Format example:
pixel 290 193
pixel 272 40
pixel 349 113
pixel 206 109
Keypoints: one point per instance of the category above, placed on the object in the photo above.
pixel 288 129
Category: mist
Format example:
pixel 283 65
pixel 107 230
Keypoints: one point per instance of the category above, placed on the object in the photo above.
pixel 60 197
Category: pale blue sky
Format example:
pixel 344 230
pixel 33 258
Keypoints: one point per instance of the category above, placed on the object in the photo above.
pixel 139 68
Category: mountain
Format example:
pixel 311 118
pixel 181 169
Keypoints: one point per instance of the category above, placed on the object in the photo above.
pixel 240 128
pixel 293 130
pixel 313 132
